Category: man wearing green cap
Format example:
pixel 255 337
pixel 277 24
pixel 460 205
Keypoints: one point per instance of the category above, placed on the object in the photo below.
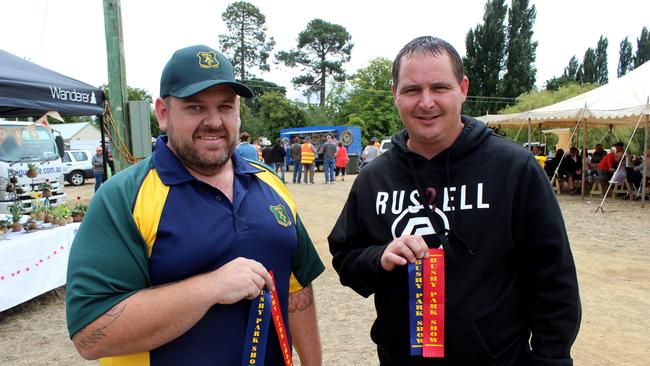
pixel 174 264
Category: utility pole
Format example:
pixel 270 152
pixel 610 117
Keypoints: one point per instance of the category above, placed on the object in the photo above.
pixel 117 90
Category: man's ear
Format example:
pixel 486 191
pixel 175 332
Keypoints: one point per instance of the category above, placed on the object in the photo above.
pixel 464 87
pixel 162 113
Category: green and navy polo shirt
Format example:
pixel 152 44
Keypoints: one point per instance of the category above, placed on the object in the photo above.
pixel 154 223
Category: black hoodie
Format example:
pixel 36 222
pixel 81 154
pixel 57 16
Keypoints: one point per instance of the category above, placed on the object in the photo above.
pixel 509 268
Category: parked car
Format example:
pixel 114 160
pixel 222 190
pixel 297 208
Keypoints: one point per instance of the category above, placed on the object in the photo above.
pixel 78 166
pixel 385 145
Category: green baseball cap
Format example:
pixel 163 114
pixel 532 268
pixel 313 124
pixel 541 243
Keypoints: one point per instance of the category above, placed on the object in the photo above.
pixel 196 68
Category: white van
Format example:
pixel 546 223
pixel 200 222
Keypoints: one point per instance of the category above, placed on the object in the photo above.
pixel 77 165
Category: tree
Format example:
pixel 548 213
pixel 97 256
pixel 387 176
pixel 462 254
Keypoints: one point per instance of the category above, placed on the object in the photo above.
pixel 370 102
pixel 485 54
pixel 601 62
pixel 520 73
pixel 276 112
pixel 642 48
pixel 570 75
pixel 625 58
pixel 246 41
pixel 586 73
pixel 322 50
pixel 594 64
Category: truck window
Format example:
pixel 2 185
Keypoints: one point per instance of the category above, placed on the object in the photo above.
pixel 26 143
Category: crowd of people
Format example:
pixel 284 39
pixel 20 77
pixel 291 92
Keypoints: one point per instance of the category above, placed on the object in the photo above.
pixel 300 156
pixel 615 166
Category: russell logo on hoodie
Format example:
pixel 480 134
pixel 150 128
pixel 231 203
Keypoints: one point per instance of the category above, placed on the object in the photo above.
pixel 411 220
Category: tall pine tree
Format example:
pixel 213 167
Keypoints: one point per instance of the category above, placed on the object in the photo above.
pixel 485 65
pixel 246 41
pixel 594 64
pixel 601 73
pixel 625 58
pixel 322 50
pixel 520 72
pixel 642 48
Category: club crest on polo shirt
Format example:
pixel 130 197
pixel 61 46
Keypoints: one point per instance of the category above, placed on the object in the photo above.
pixel 280 213
pixel 207 59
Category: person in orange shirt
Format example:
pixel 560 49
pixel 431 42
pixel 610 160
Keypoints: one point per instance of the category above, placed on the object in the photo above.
pixel 307 154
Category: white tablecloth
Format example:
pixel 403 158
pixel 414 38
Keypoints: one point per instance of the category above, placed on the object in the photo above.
pixel 33 263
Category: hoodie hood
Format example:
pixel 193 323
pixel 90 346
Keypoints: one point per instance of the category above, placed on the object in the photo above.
pixel 473 134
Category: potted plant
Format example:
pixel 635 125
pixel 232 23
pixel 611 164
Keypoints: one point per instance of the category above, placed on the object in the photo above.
pixel 78 211
pixel 4 226
pixel 48 217
pixel 16 211
pixel 32 170
pixel 46 188
pixel 61 215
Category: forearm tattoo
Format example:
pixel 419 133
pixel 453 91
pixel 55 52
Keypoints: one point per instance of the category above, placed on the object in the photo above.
pixel 301 300
pixel 94 335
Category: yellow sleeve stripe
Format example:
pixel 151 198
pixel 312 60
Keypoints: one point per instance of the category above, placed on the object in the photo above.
pixel 138 359
pixel 148 207
pixel 277 185
pixel 294 285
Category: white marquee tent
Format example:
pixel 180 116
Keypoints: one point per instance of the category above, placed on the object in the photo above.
pixel 624 102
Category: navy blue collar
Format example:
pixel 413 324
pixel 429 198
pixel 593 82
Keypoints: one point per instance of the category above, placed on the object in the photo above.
pixel 172 172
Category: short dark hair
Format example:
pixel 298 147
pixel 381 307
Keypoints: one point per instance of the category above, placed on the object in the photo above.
pixel 244 136
pixel 431 45
pixel 619 144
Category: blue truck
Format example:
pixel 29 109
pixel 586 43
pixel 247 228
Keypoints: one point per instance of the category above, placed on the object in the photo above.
pixel 350 136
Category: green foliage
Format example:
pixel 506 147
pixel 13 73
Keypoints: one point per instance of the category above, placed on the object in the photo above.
pixel 275 112
pixel 321 51
pixel 370 101
pixel 61 211
pixel 486 47
pixel 16 210
pixel 520 72
pixel 537 99
pixel 246 41
pixel 594 64
pixel 642 48
pixel 625 58
pixel 570 75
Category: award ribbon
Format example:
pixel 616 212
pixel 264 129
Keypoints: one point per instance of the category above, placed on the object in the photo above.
pixel 264 307
pixel 415 306
pixel 257 330
pixel 433 318
pixel 427 305
pixel 279 327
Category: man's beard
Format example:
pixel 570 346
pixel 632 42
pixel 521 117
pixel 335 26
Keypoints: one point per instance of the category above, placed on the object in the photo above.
pixel 204 164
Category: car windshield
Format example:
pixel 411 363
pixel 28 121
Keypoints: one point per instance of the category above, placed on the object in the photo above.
pixel 26 143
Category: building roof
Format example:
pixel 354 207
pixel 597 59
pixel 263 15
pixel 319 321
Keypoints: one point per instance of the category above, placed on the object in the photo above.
pixel 69 130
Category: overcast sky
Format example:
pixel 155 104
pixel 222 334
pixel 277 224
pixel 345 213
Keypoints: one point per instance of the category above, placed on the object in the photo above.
pixel 67 36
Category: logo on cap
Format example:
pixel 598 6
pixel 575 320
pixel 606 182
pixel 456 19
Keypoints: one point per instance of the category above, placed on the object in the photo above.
pixel 208 59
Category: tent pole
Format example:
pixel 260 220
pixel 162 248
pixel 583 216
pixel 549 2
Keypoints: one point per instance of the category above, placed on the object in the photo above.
pixel 529 132
pixel 611 134
pixel 103 145
pixel 645 164
pixel 584 160
pixel 540 137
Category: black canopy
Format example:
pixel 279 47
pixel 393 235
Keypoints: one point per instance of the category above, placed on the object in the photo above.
pixel 30 90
